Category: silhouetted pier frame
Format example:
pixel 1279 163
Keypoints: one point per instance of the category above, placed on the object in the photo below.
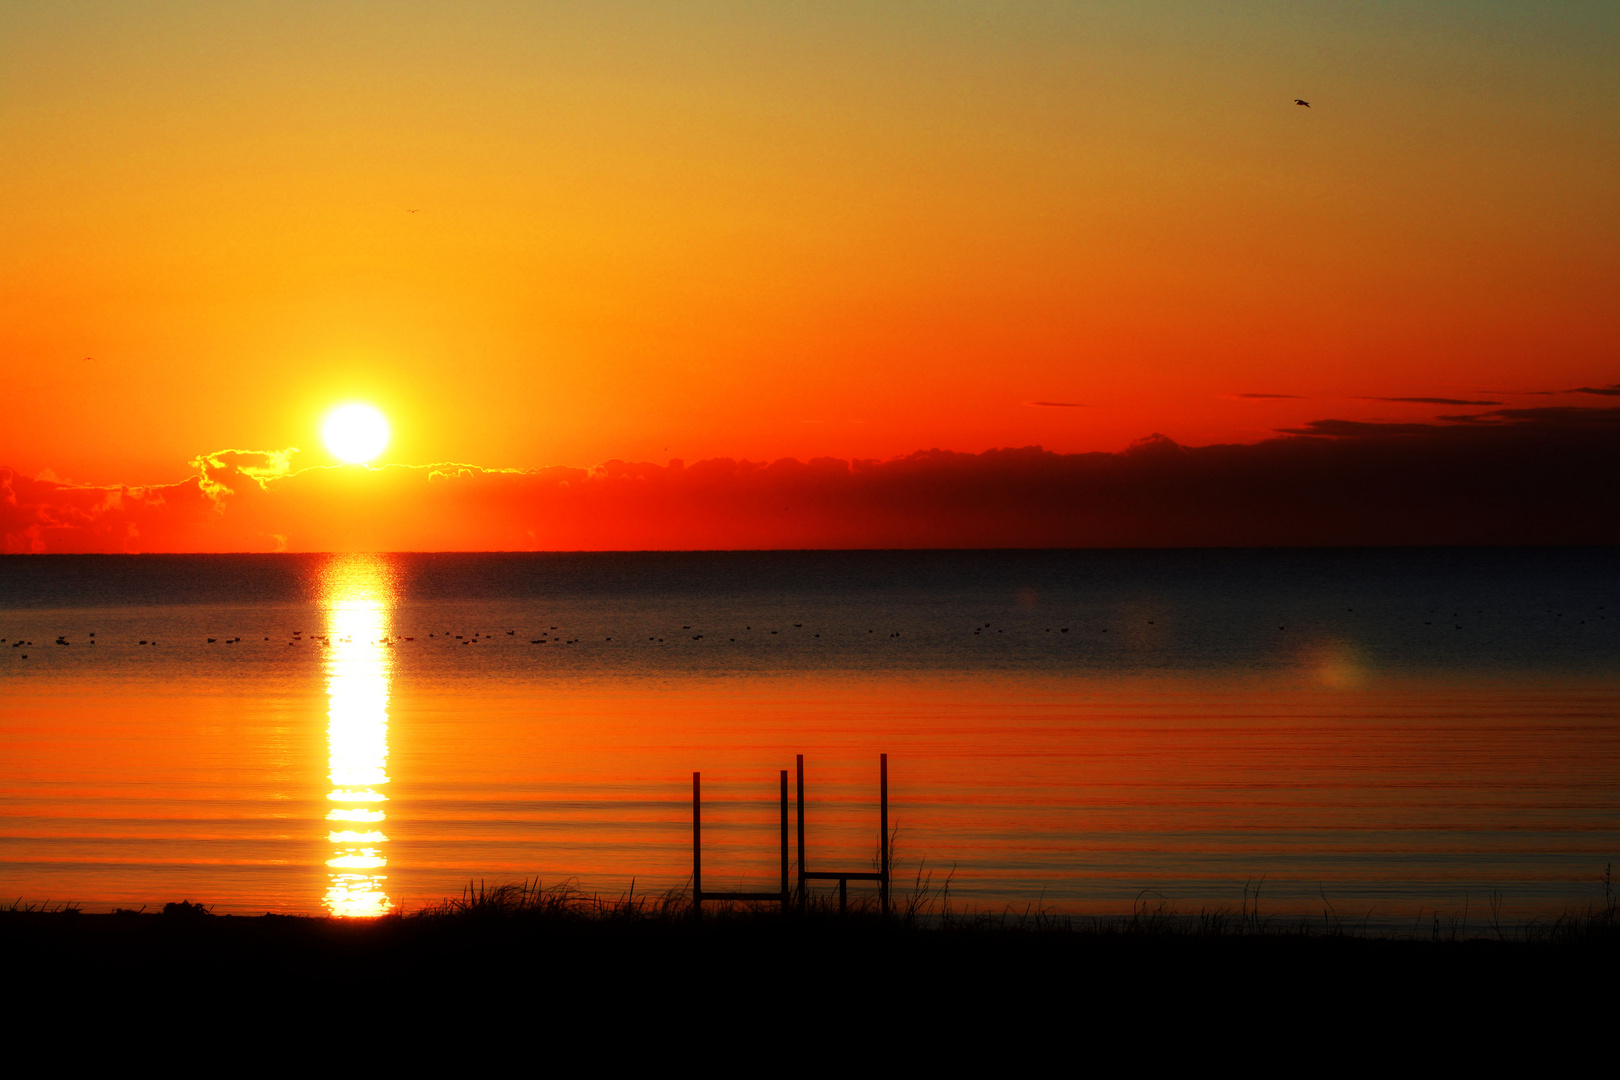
pixel 844 877
pixel 783 896
pixel 698 895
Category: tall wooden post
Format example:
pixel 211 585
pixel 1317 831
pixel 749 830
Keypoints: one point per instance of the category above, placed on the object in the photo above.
pixel 801 830
pixel 883 831
pixel 697 844
pixel 784 843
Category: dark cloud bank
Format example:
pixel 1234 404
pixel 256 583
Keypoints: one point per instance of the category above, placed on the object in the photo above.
pixel 1511 476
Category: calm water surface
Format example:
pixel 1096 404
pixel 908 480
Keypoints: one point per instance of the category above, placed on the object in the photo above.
pixel 1398 732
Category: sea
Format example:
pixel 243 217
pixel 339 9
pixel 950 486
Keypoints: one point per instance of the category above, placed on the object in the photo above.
pixel 1373 737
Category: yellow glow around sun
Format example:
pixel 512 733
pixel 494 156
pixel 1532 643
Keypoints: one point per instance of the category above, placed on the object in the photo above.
pixel 355 433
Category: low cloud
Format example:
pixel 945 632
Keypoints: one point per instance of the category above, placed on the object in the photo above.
pixel 217 470
pixel 49 516
pixel 1612 390
pixel 1269 397
pixel 1508 476
pixel 1057 404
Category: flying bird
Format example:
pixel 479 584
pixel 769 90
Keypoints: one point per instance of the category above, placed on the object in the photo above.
pixel 1302 101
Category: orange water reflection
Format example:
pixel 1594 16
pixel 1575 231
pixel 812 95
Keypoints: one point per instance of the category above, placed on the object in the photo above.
pixel 357 594
pixel 202 778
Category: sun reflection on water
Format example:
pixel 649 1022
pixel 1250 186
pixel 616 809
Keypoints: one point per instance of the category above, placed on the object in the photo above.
pixel 357 592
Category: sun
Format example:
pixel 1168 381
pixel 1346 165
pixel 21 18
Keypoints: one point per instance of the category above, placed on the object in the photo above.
pixel 355 433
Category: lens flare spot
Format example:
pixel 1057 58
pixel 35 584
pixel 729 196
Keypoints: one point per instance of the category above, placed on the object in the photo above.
pixel 1337 665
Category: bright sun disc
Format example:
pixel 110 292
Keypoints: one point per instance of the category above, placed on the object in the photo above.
pixel 355 433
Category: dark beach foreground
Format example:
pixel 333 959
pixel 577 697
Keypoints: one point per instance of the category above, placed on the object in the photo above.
pixel 577 979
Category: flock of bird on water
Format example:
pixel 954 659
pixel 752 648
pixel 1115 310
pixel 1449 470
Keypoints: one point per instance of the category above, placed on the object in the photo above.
pixel 546 637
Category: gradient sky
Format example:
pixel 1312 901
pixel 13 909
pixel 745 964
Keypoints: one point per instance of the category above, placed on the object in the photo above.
pixel 762 230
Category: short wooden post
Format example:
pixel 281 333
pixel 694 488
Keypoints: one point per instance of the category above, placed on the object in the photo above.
pixel 801 831
pixel 697 844
pixel 883 830
pixel 784 843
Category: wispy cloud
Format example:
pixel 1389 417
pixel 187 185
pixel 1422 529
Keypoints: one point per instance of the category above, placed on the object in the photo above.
pixel 1269 397
pixel 1612 390
pixel 1430 400
pixel 1561 417
pixel 1057 404
pixel 1347 429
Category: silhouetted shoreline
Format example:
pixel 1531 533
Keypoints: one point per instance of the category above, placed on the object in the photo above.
pixel 579 952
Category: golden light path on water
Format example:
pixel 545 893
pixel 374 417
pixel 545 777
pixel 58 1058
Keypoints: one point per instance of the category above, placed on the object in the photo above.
pixel 357 593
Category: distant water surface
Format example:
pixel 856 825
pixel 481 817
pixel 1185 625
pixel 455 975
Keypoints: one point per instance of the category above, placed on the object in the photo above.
pixel 1399 733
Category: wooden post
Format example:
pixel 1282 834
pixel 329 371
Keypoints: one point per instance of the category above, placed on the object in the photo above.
pixel 801 831
pixel 784 843
pixel 883 829
pixel 697 844
pixel 843 896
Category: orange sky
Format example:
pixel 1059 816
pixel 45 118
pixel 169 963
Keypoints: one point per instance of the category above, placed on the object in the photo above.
pixel 755 230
